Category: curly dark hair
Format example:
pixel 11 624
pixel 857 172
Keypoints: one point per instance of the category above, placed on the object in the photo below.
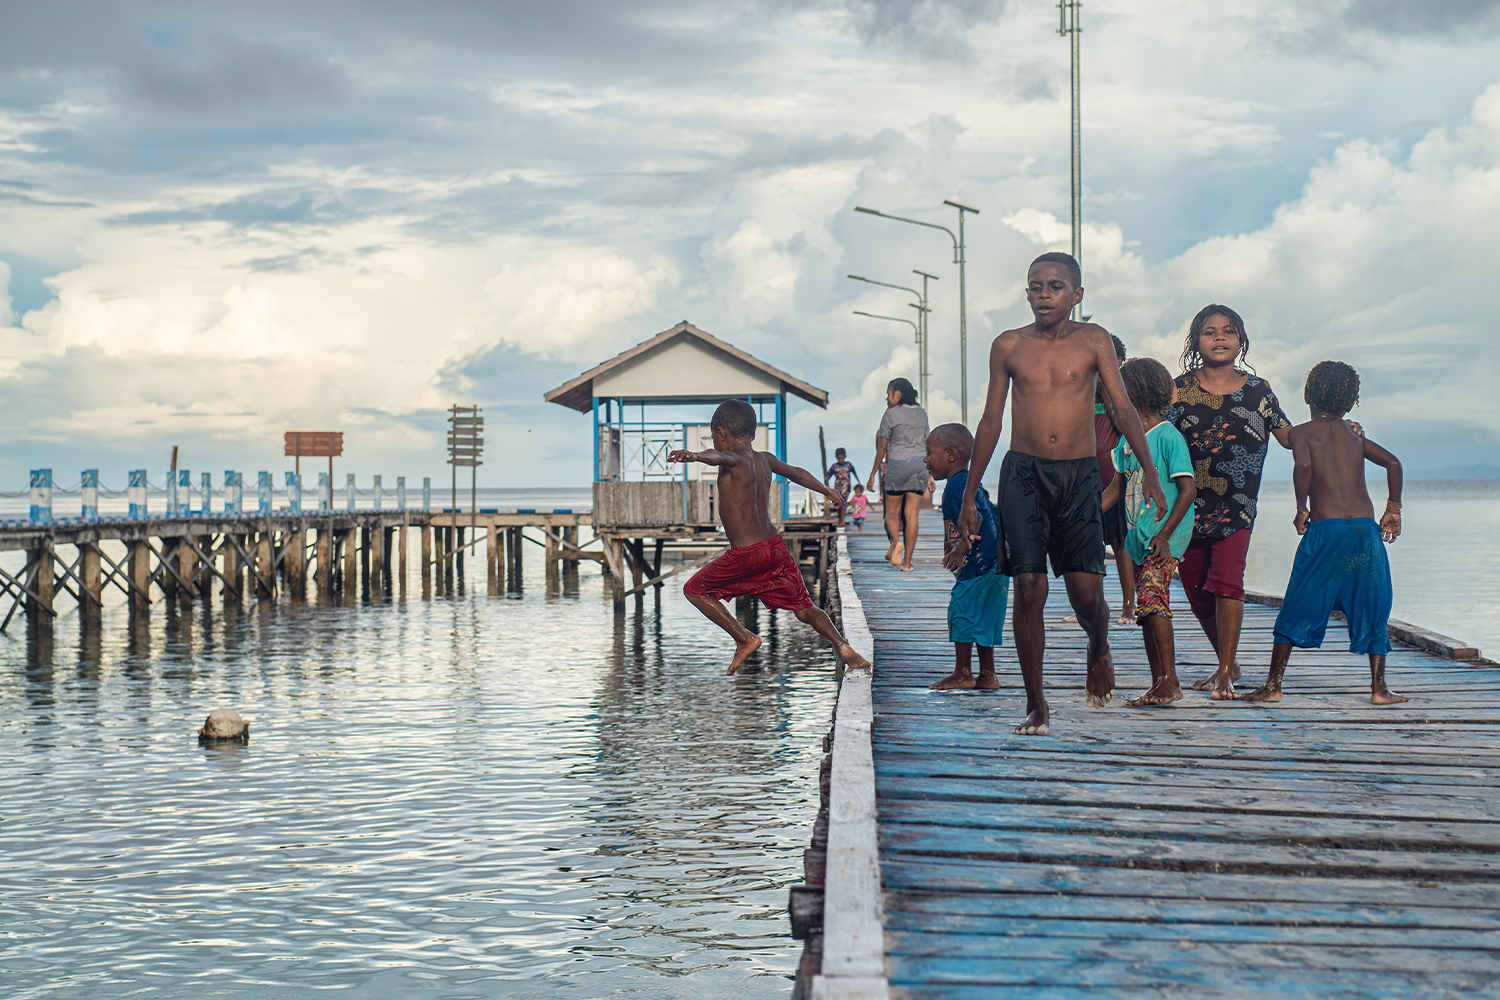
pixel 1192 359
pixel 736 416
pixel 1067 260
pixel 1148 383
pixel 1333 387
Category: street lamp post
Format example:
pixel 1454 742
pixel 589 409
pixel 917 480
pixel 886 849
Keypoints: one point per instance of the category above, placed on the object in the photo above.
pixel 958 258
pixel 1067 26
pixel 922 310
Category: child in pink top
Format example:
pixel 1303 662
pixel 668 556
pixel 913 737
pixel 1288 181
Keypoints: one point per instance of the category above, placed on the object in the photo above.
pixel 857 507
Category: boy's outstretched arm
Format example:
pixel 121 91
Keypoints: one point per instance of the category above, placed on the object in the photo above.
pixel 1161 543
pixel 986 436
pixel 723 459
pixel 802 477
pixel 1390 521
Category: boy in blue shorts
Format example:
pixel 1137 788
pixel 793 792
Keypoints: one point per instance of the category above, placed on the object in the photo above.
pixel 1340 561
pixel 1154 546
pixel 976 608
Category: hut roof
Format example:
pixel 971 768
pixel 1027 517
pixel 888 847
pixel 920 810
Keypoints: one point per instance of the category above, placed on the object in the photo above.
pixel 646 386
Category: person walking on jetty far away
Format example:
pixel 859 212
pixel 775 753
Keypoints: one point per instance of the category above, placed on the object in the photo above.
pixel 1340 562
pixel 900 458
pixel 1228 416
pixel 757 563
pixel 1048 498
pixel 842 472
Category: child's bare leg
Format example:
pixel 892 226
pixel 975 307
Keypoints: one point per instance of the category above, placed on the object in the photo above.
pixel 1161 652
pixel 962 678
pixel 1379 693
pixel 1030 590
pixel 1224 635
pixel 745 641
pixel 1086 594
pixel 1271 689
pixel 911 507
pixel 1127 586
pixel 820 621
pixel 987 680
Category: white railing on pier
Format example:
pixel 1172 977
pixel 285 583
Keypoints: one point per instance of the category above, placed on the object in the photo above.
pixel 179 497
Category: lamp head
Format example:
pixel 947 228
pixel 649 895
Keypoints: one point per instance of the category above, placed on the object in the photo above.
pixel 958 205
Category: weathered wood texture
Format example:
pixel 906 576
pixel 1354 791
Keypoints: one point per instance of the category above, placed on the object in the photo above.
pixel 1322 846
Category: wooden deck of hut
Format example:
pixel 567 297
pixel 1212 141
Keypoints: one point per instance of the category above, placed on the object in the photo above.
pixel 1319 847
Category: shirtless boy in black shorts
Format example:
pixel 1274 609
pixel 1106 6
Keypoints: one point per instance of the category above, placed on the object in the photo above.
pixel 1049 482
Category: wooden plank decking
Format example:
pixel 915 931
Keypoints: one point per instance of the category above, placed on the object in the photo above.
pixel 1320 847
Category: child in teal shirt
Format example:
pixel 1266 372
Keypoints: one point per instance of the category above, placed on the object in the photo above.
pixel 1154 547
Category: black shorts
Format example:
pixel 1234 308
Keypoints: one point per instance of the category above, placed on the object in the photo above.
pixel 1050 509
pixel 1115 526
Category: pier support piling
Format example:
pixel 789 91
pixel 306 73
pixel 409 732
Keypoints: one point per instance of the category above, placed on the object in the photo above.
pixel 91 578
pixel 138 565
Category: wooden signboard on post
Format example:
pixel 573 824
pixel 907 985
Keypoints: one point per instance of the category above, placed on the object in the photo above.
pixel 318 444
pixel 464 448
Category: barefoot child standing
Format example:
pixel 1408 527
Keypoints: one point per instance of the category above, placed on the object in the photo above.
pixel 858 506
pixel 976 608
pixel 1154 547
pixel 1340 562
pixel 757 563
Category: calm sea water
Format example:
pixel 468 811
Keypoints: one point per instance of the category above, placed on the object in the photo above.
pixel 469 796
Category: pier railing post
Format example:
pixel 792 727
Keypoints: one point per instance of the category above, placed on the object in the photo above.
pixel 138 557
pixel 41 496
pixel 135 493
pixel 90 490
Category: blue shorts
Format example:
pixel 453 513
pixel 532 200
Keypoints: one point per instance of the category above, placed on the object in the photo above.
pixel 976 609
pixel 1341 563
pixel 859 521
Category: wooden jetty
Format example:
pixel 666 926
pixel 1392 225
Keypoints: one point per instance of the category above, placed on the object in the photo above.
pixel 338 555
pixel 1322 846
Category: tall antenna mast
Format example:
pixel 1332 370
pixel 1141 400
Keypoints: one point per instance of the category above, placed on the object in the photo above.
pixel 1067 25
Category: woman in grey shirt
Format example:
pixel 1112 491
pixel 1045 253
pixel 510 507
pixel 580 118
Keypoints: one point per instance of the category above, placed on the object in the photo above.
pixel 900 458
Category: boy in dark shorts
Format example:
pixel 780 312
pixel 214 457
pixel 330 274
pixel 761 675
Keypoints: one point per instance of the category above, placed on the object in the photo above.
pixel 1154 548
pixel 976 607
pixel 1048 499
pixel 757 563
pixel 1340 561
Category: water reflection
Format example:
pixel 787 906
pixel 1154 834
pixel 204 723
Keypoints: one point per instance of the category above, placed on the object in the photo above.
pixel 467 796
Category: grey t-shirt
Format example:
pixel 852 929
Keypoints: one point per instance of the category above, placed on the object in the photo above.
pixel 905 430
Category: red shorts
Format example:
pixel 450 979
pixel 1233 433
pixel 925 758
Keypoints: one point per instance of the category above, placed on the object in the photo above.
pixel 765 570
pixel 1214 567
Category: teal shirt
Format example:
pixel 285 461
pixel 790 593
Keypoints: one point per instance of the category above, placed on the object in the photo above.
pixel 1169 453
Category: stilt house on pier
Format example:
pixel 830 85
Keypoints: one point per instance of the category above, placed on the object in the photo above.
pixel 659 396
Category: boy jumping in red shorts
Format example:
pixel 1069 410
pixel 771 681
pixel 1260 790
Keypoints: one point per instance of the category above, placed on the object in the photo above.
pixel 757 563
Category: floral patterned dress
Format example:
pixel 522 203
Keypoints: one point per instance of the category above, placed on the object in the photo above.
pixel 1227 439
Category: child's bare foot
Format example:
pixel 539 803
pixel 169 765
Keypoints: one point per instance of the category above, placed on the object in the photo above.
pixel 1224 689
pixel 1205 683
pixel 959 680
pixel 1127 615
pixel 852 660
pixel 1070 618
pixel 906 567
pixel 1268 693
pixel 742 650
pixel 1163 692
pixel 1035 724
pixel 890 554
pixel 987 681
pixel 1383 696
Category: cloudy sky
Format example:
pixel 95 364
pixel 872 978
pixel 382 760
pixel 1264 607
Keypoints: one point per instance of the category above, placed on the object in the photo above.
pixel 219 221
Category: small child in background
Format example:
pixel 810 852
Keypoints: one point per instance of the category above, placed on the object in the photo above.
pixel 858 506
pixel 1340 562
pixel 842 473
pixel 1154 547
pixel 976 607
